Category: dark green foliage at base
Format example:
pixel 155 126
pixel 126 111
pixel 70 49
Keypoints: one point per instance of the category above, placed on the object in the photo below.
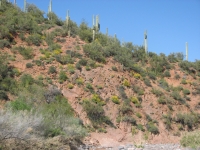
pixel 95 113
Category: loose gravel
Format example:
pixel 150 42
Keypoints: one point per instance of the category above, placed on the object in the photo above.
pixel 141 147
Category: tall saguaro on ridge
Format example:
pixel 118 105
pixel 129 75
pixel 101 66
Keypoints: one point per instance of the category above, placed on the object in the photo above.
pixel 25 6
pixel 50 8
pixel 15 3
pixel 0 3
pixel 145 42
pixel 67 22
pixel 186 47
pixel 67 19
pixel 96 26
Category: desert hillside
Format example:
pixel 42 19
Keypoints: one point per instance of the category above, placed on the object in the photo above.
pixel 64 89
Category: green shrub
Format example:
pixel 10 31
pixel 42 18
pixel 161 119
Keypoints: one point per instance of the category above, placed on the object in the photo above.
pixel 126 83
pixel 95 113
pixel 22 37
pixel 138 115
pixel 97 99
pixel 83 62
pixel 190 120
pixel 27 53
pixel 52 70
pixel 134 100
pixel 122 93
pixel 191 140
pixel 186 92
pixel 29 65
pixel 138 90
pixel 64 59
pixel 148 117
pixel 152 128
pixel 89 87
pixel 176 95
pixel 52 132
pixel 114 68
pixel 62 77
pixel 70 86
pixel 94 51
pixel 19 104
pixel 54 19
pixel 85 33
pixel 168 121
pixel 79 81
pixel 78 47
pixel 26 80
pixel 162 100
pixel 61 40
pixel 183 81
pixel 87 68
pixel 4 43
pixel 34 39
pixel 152 75
pixel 115 99
pixel 74 54
pixel 140 127
pixel 71 69
pixel 92 63
pixel 177 77
pixel 16 72
pixel 137 76
pixel 157 92
pixel 129 119
pixel 78 66
pixel 125 109
pixel 54 46
pixel 167 74
pixel 163 84
pixel 147 82
pixel 38 62
pixel 3 95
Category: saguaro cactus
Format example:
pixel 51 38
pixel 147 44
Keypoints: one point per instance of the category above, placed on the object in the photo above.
pixel 186 47
pixel 96 26
pixel 145 42
pixel 67 19
pixel 25 6
pixel 106 31
pixel 93 30
pixel 67 23
pixel 0 3
pixel 50 8
pixel 15 3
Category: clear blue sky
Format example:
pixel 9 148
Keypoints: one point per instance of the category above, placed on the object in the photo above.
pixel 169 23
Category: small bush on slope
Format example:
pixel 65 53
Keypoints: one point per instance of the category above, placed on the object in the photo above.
pixel 26 52
pixel 95 113
pixel 191 140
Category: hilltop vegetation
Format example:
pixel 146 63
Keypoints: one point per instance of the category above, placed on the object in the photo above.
pixel 56 84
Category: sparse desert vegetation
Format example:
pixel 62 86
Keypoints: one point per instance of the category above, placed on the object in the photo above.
pixel 56 85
